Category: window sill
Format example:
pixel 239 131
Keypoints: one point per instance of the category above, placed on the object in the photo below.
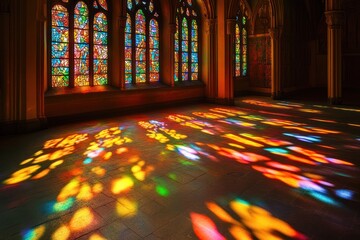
pixel 189 83
pixel 79 90
pixel 128 88
pixel 141 86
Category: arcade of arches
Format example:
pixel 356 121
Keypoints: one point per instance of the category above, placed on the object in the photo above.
pixel 180 107
pixel 286 48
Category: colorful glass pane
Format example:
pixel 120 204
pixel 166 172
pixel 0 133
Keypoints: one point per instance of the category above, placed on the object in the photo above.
pixel 144 44
pixel 140 50
pixel 100 49
pixel 194 31
pixel 81 45
pixel 128 50
pixel 151 6
pixel 194 46
pixel 244 35
pixel 103 4
pixel 237 51
pixel 185 30
pixel 194 50
pixel 59 47
pixel 154 51
pixel 185 49
pixel 244 52
pixel 186 42
pixel 154 42
pixel 85 60
pixel 129 4
pixel 176 55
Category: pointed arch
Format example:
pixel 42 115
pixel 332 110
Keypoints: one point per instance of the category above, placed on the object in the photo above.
pixel 60 54
pixel 78 49
pixel 207 8
pixel 276 12
pixel 142 41
pixel 234 7
pixel 81 45
pixel 186 57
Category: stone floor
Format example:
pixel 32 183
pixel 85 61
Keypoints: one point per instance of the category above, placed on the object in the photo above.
pixel 262 170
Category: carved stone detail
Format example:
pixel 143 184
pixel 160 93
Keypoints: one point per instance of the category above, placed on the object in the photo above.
pixel 210 26
pixel 335 19
pixel 275 33
pixel 243 9
pixel 230 26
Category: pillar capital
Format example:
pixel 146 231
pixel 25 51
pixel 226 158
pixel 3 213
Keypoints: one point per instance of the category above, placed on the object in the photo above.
pixel 230 26
pixel 210 25
pixel 335 19
pixel 331 5
pixel 275 33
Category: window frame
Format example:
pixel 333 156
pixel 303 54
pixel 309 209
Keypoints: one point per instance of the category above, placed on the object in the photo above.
pixel 92 11
pixel 239 22
pixel 178 23
pixel 148 17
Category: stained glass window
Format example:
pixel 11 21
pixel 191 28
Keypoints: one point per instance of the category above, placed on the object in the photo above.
pixel 81 44
pixel 128 49
pixel 142 37
pixel 244 47
pixel 154 51
pixel 60 46
pixel 240 46
pixel 84 62
pixel 100 49
pixel 237 51
pixel 186 55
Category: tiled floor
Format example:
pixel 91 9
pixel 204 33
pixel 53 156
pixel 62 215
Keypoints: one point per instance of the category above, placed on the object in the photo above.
pixel 261 170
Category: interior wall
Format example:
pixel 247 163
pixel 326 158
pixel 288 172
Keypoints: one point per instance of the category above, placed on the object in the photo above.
pixel 318 52
pixel 295 47
pixel 317 43
pixel 260 61
pixel 4 53
pixel 113 98
pixel 351 44
pixel 260 50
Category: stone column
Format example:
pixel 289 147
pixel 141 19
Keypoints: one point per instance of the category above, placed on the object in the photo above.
pixel 41 64
pixel 118 62
pixel 276 84
pixel 4 58
pixel 334 21
pixel 229 65
pixel 210 28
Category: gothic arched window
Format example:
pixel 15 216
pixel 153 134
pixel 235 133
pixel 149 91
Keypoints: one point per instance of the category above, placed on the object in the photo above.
pixel 78 46
pixel 187 41
pixel 142 42
pixel 241 51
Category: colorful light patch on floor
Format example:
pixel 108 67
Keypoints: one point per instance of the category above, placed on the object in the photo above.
pixel 244 220
pixel 130 168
